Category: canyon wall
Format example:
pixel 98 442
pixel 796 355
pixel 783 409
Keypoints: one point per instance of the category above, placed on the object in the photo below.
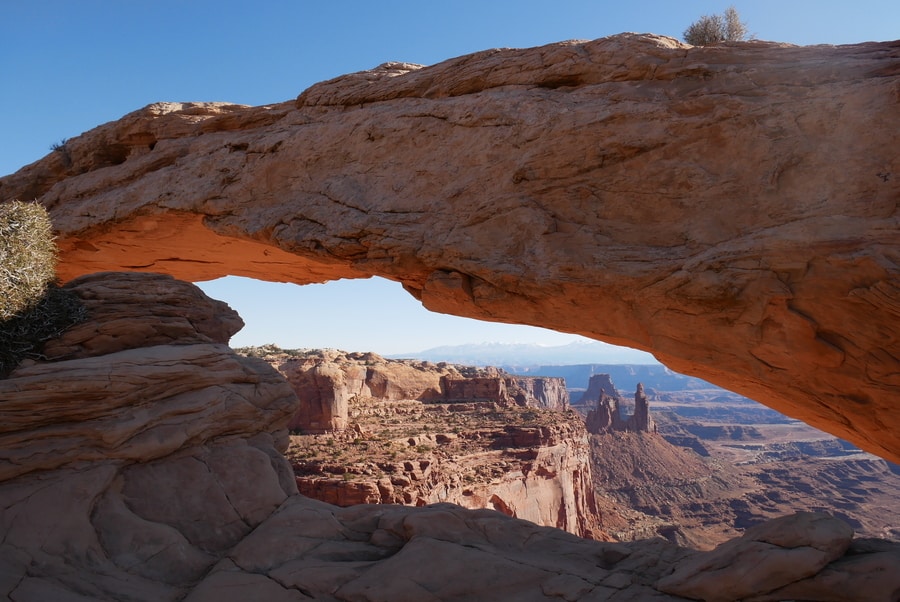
pixel 540 391
pixel 525 391
pixel 540 473
pixel 733 209
pixel 537 473
pixel 544 477
pixel 327 380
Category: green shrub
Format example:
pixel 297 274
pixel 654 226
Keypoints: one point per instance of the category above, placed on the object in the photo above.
pixel 32 308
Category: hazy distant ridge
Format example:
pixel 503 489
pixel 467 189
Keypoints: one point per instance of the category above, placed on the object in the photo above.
pixel 528 355
pixel 624 376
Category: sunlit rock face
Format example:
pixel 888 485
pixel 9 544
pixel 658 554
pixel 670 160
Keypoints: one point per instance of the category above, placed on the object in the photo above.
pixel 732 208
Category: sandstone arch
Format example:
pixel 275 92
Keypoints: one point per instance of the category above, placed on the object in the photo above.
pixel 732 209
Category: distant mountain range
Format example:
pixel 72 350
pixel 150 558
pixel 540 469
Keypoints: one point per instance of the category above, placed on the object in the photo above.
pixel 575 362
pixel 526 355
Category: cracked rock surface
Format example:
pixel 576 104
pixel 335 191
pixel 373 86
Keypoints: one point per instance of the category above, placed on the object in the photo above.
pixel 731 208
pixel 161 479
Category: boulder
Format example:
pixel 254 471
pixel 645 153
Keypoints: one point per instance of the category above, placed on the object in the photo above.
pixel 766 558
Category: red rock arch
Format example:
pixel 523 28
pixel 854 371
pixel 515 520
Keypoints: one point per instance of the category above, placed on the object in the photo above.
pixel 731 209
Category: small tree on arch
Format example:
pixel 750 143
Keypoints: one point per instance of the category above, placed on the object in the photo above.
pixel 712 29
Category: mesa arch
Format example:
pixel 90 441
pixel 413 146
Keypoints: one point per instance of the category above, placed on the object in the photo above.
pixel 732 209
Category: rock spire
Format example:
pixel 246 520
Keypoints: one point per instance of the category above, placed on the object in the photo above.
pixel 607 417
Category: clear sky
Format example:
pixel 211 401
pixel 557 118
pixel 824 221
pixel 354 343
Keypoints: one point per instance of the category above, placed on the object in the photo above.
pixel 70 65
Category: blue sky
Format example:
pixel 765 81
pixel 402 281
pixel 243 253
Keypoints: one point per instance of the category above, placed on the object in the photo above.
pixel 68 66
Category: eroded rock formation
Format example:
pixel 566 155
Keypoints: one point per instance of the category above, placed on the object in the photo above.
pixel 538 473
pixel 327 380
pixel 503 389
pixel 777 561
pixel 731 208
pixel 597 385
pixel 154 473
pixel 607 415
pixel 641 419
pixel 474 438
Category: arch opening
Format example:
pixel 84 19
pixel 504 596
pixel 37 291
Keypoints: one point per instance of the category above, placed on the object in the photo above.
pixel 377 315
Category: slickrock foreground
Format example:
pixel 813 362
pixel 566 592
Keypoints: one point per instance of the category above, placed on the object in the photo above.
pixel 732 209
pixel 141 461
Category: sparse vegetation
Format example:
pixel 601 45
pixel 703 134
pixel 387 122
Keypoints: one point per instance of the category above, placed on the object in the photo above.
pixel 27 256
pixel 713 29
pixel 32 308
pixel 59 146
pixel 271 349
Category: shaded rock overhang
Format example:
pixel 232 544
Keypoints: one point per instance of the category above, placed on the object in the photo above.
pixel 732 209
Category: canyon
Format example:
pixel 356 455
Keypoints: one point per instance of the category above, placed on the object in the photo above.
pixel 696 465
pixel 427 433
pixel 732 209
pixel 167 449
pixel 698 482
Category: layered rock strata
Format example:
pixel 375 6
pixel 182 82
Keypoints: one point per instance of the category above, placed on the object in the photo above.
pixel 125 455
pixel 466 435
pixel 524 391
pixel 731 208
pixel 155 474
pixel 327 381
pixel 528 464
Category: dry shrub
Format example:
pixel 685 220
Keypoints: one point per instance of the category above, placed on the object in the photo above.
pixel 32 308
pixel 712 29
pixel 27 256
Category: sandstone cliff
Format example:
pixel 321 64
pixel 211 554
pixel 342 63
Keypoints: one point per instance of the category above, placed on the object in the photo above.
pixel 525 463
pixel 731 208
pixel 327 381
pixel 141 461
pixel 503 389
pixel 476 440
